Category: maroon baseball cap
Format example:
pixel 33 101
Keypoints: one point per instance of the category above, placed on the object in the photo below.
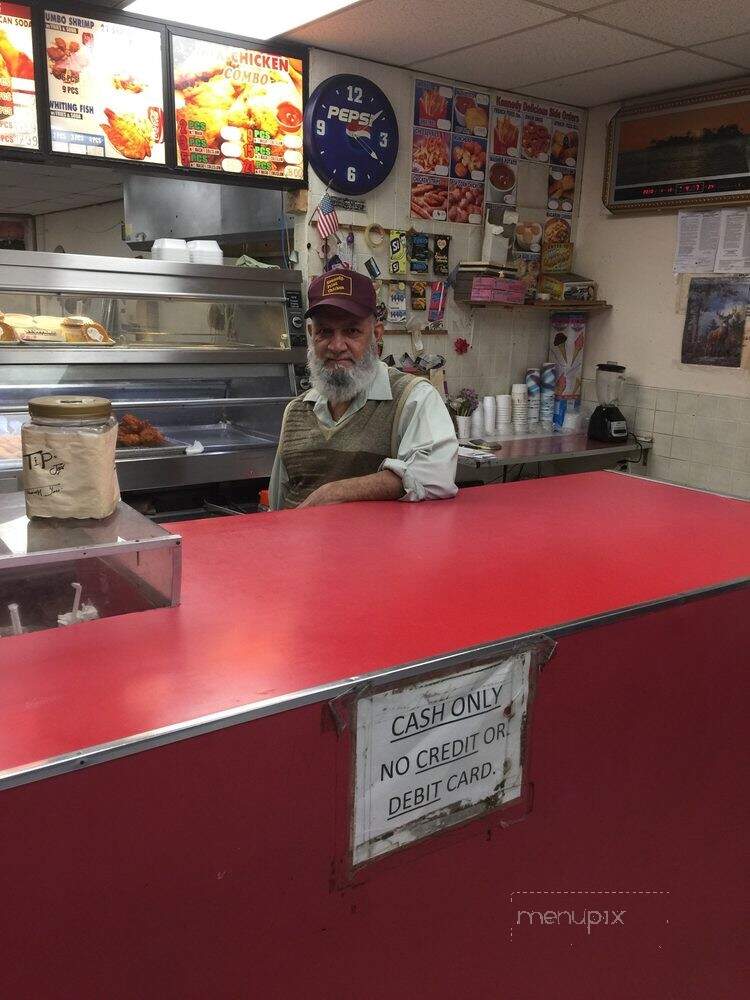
pixel 345 289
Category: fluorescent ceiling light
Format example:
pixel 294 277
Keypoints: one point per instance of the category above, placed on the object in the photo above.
pixel 251 20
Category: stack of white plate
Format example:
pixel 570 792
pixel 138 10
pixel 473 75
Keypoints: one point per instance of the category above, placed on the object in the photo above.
pixel 205 252
pixel 168 249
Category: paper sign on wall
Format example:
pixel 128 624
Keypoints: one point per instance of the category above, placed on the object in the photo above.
pixel 438 752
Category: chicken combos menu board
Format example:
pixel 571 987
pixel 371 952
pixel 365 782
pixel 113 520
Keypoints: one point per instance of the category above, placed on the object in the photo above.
pixel 449 152
pixel 237 110
pixel 545 135
pixel 18 123
pixel 105 88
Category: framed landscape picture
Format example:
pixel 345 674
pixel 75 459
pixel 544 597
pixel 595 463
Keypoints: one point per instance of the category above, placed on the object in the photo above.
pixel 692 151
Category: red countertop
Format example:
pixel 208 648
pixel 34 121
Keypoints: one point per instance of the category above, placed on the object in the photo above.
pixel 274 604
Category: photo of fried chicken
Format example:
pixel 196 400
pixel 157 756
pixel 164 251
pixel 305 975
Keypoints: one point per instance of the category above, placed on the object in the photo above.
pixel 135 433
pixel 130 135
pixel 219 102
pixel 234 114
pixel 127 84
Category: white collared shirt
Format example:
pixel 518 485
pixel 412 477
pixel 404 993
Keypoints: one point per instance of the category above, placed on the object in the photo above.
pixel 427 447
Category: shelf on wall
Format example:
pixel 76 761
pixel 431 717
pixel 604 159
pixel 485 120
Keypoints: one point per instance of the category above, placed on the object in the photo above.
pixel 542 306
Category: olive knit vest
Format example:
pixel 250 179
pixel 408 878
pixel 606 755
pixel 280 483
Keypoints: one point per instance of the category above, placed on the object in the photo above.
pixel 313 455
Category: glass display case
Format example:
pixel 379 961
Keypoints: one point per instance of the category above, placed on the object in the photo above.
pixel 205 354
pixel 55 573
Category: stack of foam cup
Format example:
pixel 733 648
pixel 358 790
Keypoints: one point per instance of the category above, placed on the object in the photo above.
pixel 503 413
pixel 534 388
pixel 548 378
pixel 488 408
pixel 476 427
pixel 520 397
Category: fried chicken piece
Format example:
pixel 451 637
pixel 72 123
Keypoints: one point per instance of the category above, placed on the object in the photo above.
pixel 217 94
pixel 127 440
pixel 152 437
pixel 129 135
pixel 135 433
pixel 131 424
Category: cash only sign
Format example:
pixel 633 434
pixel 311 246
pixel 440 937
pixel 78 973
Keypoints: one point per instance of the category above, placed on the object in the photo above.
pixel 432 753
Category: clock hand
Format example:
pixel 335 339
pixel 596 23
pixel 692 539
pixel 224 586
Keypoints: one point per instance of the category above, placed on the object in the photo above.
pixel 368 149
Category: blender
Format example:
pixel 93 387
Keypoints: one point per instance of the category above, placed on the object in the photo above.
pixel 607 422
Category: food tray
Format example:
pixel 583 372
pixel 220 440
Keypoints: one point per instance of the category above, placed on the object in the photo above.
pixel 171 448
pixel 221 435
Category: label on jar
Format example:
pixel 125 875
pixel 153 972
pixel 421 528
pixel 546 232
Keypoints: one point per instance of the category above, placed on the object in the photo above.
pixel 70 472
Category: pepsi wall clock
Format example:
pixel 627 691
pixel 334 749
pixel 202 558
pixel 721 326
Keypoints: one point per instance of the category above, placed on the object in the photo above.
pixel 351 133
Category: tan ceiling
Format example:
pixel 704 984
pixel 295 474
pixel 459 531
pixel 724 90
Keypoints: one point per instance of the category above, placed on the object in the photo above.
pixel 575 51
pixel 37 188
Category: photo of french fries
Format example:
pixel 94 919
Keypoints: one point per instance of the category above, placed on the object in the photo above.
pixel 431 152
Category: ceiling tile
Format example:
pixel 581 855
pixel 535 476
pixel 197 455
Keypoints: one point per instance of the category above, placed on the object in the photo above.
pixel 395 33
pixel 680 22
pixel 640 77
pixel 551 50
pixel 734 50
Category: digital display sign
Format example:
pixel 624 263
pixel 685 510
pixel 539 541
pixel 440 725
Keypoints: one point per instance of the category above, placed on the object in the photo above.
pixel 18 119
pixel 106 89
pixel 237 110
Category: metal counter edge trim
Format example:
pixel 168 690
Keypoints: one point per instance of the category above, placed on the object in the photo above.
pixel 203 725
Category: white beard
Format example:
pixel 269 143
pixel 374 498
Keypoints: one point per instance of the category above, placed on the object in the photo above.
pixel 341 385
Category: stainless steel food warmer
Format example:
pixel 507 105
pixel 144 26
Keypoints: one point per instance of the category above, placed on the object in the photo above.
pixel 205 353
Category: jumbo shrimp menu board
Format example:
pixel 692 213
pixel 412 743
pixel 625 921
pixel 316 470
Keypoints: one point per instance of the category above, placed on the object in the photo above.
pixel 547 137
pixel 237 110
pixel 18 123
pixel 106 89
pixel 449 152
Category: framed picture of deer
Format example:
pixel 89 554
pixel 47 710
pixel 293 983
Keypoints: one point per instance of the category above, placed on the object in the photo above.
pixel 679 153
pixel 716 323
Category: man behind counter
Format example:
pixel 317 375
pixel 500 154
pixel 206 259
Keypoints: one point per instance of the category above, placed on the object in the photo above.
pixel 363 431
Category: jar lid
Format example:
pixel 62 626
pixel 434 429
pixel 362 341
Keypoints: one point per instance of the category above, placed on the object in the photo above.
pixel 70 407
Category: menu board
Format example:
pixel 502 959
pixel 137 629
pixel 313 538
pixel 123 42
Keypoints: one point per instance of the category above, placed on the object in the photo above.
pixel 106 88
pixel 449 152
pixel 18 122
pixel 546 136
pixel 237 110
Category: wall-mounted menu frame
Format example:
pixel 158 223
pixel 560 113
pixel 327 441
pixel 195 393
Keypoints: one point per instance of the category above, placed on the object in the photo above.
pixel 237 108
pixel 19 119
pixel 105 81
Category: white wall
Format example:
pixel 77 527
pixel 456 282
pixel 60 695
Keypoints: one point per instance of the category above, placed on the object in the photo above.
pixel 504 342
pixel 93 230
pixel 632 258
pixel 699 416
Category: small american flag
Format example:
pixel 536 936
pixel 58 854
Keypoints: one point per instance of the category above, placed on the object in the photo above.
pixel 327 220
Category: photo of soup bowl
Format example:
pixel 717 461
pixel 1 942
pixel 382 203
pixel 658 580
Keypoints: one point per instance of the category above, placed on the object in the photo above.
pixel 460 106
pixel 502 180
